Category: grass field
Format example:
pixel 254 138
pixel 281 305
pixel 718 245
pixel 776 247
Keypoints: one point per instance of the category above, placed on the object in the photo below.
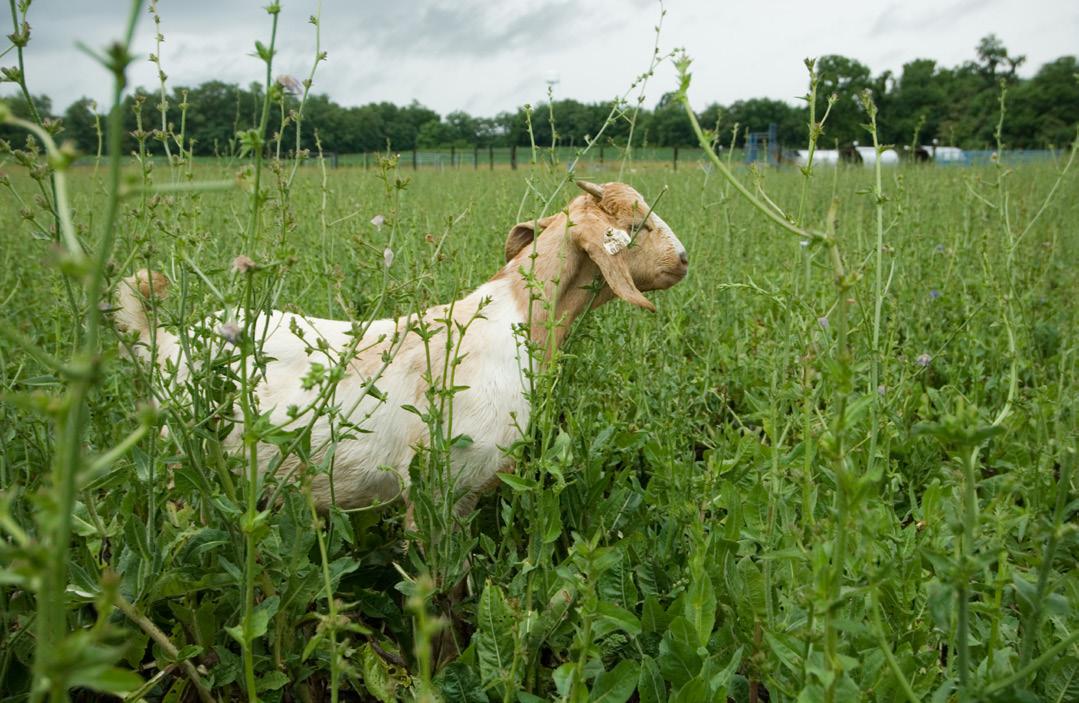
pixel 767 490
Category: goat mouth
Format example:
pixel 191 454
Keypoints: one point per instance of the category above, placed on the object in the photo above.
pixel 671 277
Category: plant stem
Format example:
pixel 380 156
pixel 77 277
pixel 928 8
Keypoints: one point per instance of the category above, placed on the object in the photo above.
pixel 966 546
pixel 166 644
pixel 67 461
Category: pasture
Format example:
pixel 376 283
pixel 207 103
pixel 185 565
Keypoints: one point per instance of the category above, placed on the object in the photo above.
pixel 766 490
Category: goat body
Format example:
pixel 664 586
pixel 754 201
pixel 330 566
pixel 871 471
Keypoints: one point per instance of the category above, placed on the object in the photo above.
pixel 488 361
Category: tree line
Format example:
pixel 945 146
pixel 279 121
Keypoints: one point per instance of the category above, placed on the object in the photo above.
pixel 924 101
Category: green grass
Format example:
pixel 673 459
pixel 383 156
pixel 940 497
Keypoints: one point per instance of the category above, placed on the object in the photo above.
pixel 683 496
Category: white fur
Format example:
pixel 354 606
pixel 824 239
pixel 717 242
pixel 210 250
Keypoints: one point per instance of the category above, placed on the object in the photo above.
pixel 373 465
pixel 671 237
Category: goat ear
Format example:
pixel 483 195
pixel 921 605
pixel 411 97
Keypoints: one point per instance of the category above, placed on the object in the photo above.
pixel 608 248
pixel 522 234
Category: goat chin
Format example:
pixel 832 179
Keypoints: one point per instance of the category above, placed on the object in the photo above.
pixel 372 465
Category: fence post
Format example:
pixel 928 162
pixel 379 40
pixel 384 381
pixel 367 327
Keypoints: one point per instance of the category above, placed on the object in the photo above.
pixel 453 155
pixel 601 154
pixel 365 161
pixel 491 155
pixel 676 157
pixel 476 158
pixel 513 157
pixel 415 161
pixel 335 159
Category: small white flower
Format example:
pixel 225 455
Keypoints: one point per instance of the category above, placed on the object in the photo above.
pixel 378 221
pixel 387 257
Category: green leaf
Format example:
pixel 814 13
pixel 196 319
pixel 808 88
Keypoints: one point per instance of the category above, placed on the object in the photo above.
pixel 752 585
pixel 616 685
pixel 783 651
pixel 260 620
pixel 271 681
pixel 494 635
pixel 106 680
pixel 1062 681
pixel 612 617
pixel 460 684
pixel 376 675
pixel 651 687
pixel 700 603
pixel 678 658
pixel 563 677
pixel 550 516
pixel 654 617
pixel 693 691
pixel 519 484
pixel 719 677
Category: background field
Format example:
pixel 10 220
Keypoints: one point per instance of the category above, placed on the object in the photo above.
pixel 714 501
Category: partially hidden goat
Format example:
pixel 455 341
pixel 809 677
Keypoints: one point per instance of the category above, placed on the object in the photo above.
pixel 569 254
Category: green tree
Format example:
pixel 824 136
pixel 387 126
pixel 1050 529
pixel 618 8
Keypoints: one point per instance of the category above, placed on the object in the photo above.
pixel 757 114
pixel 994 60
pixel 80 125
pixel 846 78
pixel 17 103
pixel 1044 110
pixel 918 97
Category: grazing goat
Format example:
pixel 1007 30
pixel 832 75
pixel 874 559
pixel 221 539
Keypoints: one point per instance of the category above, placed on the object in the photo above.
pixel 590 239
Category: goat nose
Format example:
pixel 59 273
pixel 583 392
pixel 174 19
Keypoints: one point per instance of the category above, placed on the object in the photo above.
pixel 684 257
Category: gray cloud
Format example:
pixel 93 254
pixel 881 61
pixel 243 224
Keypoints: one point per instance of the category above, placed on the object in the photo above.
pixel 902 17
pixel 485 56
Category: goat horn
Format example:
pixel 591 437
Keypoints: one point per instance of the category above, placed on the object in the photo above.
pixel 591 188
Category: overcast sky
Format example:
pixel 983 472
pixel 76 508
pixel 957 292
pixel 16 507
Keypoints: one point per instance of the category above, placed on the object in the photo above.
pixel 485 57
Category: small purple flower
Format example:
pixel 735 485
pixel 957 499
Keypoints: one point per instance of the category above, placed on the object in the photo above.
pixel 940 249
pixel 290 85
pixel 934 293
pixel 231 332
pixel 378 221
pixel 882 389
pixel 923 360
pixel 823 322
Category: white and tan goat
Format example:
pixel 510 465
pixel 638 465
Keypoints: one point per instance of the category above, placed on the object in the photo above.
pixel 590 239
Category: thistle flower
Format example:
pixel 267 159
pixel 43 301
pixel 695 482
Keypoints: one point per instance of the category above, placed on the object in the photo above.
pixel 923 360
pixel 290 84
pixel 231 332
pixel 243 264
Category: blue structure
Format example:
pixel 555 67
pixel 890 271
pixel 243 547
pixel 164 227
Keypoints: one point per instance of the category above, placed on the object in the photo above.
pixel 763 146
